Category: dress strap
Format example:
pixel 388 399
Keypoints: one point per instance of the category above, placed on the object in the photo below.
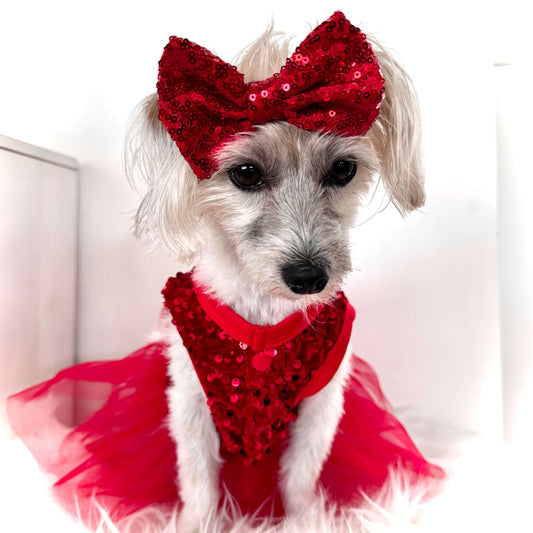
pixel 325 373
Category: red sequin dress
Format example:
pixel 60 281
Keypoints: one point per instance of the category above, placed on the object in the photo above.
pixel 101 427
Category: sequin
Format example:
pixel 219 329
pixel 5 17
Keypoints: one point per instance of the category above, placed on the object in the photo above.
pixel 204 101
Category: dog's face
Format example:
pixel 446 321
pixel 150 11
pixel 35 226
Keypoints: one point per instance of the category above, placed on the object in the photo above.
pixel 282 204
pixel 275 218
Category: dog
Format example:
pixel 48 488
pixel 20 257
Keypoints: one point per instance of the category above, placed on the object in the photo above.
pixel 267 234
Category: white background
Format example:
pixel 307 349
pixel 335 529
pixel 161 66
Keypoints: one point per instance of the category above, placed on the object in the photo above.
pixel 426 289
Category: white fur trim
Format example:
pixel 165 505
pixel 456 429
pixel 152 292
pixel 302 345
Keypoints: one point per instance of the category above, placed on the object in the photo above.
pixel 192 427
pixel 311 436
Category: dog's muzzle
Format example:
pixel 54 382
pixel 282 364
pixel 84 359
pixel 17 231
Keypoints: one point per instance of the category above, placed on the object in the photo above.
pixel 305 277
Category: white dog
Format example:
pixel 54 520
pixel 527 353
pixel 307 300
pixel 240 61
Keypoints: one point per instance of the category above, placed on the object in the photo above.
pixel 268 235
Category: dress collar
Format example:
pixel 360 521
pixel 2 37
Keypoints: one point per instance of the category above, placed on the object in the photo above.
pixel 258 337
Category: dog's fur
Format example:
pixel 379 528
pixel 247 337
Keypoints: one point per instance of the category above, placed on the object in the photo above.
pixel 239 242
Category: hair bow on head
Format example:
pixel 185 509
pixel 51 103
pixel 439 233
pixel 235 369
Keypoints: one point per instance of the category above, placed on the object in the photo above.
pixel 331 83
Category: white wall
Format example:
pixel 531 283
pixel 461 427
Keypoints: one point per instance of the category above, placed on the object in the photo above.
pixel 425 289
pixel 516 250
pixel 38 265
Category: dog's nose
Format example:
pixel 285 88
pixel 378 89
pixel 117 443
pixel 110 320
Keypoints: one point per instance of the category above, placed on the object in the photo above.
pixel 305 277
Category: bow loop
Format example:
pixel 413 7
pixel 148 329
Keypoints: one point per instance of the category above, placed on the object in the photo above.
pixel 200 96
pixel 186 66
pixel 331 83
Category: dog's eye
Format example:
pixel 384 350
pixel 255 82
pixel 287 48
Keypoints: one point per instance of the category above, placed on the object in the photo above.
pixel 246 176
pixel 341 172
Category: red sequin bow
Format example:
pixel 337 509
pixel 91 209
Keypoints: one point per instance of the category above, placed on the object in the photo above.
pixel 331 83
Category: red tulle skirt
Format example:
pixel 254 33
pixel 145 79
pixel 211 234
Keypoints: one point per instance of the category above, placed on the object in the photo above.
pixel 101 429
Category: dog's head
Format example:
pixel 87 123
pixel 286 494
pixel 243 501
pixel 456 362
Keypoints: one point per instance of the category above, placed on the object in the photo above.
pixel 279 207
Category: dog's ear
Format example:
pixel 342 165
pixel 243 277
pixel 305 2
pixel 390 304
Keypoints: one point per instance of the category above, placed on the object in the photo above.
pixel 155 168
pixel 396 136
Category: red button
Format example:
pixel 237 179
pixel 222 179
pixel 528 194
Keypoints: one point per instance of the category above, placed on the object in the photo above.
pixel 261 361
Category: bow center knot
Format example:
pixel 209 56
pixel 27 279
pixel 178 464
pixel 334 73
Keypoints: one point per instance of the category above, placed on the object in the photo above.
pixel 266 102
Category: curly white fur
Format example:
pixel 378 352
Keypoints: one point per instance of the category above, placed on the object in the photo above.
pixel 488 491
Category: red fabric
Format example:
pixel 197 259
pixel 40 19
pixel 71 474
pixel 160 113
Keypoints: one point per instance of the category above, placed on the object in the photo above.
pixel 101 429
pixel 332 83
pixel 256 337
pixel 253 390
pixel 370 441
